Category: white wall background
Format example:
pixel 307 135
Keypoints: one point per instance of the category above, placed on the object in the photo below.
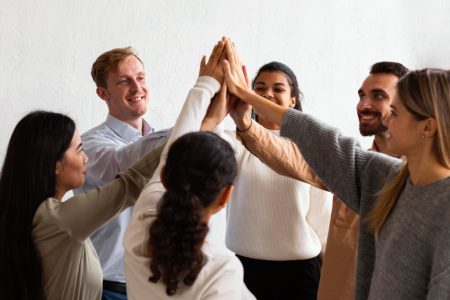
pixel 47 48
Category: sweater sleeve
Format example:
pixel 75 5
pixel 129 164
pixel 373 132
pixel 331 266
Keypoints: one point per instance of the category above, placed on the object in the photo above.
pixel 342 165
pixel 279 154
pixel 83 214
pixel 189 120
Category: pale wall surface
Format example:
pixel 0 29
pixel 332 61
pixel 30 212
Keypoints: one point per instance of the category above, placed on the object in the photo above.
pixel 47 48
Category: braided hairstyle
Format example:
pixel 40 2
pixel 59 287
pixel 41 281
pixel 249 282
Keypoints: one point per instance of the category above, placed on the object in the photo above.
pixel 199 166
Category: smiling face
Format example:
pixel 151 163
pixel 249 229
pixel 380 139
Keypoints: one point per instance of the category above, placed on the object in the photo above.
pixel 275 87
pixel 126 92
pixel 404 134
pixel 71 169
pixel 375 97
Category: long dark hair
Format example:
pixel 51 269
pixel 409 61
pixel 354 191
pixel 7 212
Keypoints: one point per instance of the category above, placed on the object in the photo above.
pixel 27 179
pixel 199 165
pixel 276 66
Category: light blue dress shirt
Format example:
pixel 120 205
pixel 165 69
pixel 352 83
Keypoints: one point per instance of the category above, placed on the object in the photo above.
pixel 112 147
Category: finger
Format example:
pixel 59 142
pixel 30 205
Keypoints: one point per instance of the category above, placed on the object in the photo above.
pixel 219 52
pixel 237 60
pixel 203 63
pixel 230 53
pixel 244 70
pixel 213 52
pixel 227 71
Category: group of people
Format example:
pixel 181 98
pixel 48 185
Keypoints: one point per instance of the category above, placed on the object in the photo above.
pixel 137 225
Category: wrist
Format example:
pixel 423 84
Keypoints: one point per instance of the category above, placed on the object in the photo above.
pixel 244 124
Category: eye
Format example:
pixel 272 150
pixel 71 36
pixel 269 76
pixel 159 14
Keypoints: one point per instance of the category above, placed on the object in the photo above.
pixel 279 90
pixel 141 78
pixel 260 89
pixel 393 113
pixel 361 97
pixel 378 96
pixel 123 82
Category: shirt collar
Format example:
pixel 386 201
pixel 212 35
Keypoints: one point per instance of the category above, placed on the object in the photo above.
pixel 125 130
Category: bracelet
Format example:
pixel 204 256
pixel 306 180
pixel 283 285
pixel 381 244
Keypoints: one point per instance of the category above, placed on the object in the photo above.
pixel 251 123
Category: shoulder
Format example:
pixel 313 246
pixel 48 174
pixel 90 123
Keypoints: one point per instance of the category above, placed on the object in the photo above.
pixel 221 260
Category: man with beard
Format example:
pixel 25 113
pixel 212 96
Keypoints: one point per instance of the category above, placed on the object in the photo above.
pixel 375 98
pixel 337 280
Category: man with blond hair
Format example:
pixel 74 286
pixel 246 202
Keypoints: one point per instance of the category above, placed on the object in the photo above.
pixel 113 146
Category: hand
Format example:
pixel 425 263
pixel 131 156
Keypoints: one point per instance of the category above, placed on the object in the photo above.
pixel 217 110
pixel 239 112
pixel 213 67
pixel 235 73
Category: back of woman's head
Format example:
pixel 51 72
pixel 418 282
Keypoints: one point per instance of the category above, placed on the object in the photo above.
pixel 199 166
pixel 27 179
pixel 426 94
pixel 275 66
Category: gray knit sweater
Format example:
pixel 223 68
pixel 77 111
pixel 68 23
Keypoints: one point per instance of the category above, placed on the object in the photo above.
pixel 411 259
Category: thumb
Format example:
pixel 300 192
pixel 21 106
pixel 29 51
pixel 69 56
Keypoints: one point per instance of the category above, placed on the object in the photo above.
pixel 202 63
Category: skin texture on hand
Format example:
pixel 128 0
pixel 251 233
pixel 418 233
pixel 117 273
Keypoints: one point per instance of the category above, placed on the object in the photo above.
pixel 213 67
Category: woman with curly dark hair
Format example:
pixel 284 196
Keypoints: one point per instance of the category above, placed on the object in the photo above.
pixel 166 252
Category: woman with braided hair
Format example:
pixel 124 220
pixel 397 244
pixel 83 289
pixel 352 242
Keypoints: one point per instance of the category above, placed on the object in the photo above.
pixel 166 252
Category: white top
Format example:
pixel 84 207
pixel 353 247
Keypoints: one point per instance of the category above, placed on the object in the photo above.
pixel 273 217
pixel 222 275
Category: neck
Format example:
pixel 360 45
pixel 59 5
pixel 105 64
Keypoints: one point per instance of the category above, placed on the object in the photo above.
pixel 59 194
pixel 380 144
pixel 424 167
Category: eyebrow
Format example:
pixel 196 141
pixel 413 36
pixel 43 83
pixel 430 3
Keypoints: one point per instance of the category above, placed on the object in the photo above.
pixel 378 90
pixel 276 83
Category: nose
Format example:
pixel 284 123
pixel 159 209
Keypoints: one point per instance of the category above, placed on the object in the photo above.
pixel 85 158
pixel 268 94
pixel 135 86
pixel 364 103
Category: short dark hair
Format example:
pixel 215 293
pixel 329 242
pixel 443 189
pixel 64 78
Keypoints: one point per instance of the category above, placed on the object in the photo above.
pixel 389 67
pixel 27 179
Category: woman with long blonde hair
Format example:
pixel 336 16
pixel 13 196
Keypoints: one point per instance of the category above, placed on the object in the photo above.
pixel 404 245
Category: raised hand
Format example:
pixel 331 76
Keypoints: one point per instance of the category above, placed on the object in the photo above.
pixel 217 110
pixel 213 67
pixel 235 73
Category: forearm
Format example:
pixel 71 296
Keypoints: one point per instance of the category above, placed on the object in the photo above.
pixel 337 160
pixel 263 107
pixel 107 159
pixel 280 154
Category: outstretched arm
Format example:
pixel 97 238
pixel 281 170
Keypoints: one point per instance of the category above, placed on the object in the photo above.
pixel 280 154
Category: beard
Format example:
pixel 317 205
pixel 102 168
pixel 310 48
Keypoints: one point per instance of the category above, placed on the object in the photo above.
pixel 369 130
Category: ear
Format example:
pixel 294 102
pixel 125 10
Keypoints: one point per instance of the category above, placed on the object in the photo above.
pixel 58 168
pixel 428 127
pixel 223 198
pixel 102 93
pixel 293 101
